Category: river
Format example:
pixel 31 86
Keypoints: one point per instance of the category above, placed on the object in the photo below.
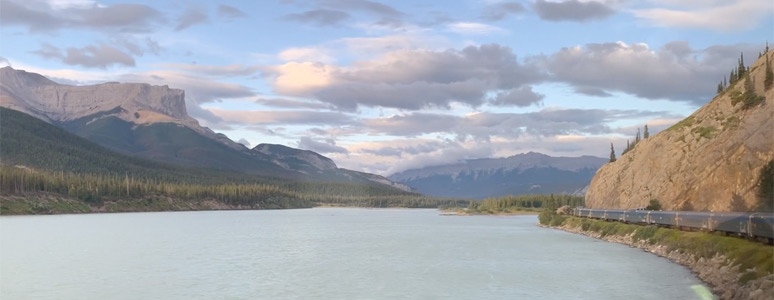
pixel 321 253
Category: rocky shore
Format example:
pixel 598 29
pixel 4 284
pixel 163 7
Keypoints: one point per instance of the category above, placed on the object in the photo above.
pixel 720 273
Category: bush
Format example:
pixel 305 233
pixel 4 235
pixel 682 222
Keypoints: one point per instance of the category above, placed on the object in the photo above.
pixel 653 205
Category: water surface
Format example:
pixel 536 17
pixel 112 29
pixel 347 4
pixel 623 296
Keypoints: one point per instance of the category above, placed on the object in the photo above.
pixel 322 253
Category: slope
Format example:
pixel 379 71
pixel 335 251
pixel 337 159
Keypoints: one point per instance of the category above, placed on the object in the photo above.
pixel 710 161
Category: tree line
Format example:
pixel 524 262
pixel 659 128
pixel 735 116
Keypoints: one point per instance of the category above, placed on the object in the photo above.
pixel 507 203
pixel 94 189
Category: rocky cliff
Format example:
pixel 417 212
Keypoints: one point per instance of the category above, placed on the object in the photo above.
pixel 138 103
pixel 711 160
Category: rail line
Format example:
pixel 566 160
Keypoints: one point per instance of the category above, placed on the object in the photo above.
pixel 758 225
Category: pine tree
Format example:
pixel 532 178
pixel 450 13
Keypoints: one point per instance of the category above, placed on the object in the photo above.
pixel 742 69
pixel 646 134
pixel 637 138
pixel 628 147
pixel 720 88
pixel 612 153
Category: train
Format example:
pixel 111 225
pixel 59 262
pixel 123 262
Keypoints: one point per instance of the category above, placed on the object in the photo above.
pixel 756 225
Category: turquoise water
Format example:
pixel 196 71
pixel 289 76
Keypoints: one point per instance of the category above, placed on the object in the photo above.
pixel 324 253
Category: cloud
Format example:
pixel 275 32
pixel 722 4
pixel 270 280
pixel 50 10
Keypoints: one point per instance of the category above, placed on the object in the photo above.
pixel 483 126
pixel 229 12
pixel 4 62
pixel 407 79
pixel 572 10
pixel 288 103
pixel 328 146
pixel 334 12
pixel 245 142
pixel 472 28
pixel 41 16
pixel 412 124
pixel 232 70
pixel 716 15
pixel 592 91
pixel 499 11
pixel 137 46
pixel 308 54
pixel 300 117
pixel 674 72
pixel 99 56
pixel 521 97
pixel 191 17
pixel 319 17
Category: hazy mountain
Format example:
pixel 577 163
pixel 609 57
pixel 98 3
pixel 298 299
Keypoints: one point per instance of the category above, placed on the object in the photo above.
pixel 529 173
pixel 151 122
pixel 711 160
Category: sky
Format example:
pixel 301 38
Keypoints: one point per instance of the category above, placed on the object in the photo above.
pixel 385 86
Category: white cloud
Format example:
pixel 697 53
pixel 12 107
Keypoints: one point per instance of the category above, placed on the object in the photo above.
pixel 473 28
pixel 308 54
pixel 732 15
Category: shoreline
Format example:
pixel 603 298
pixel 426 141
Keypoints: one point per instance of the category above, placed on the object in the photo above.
pixel 497 214
pixel 720 273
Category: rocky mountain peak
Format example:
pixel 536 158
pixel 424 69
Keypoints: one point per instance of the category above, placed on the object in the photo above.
pixel 291 157
pixel 140 102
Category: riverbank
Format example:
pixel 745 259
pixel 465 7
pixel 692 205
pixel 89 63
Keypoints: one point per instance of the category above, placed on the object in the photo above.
pixel 51 204
pixel 734 268
pixel 43 203
pixel 458 211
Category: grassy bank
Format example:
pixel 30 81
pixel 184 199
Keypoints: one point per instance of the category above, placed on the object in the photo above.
pixel 483 212
pixel 755 259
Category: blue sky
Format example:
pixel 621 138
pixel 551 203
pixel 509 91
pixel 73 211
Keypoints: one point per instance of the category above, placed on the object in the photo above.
pixel 386 86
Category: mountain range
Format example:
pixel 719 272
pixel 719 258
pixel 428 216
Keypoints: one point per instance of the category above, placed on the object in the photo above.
pixel 528 173
pixel 151 122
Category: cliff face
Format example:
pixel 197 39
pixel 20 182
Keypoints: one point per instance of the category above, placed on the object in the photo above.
pixel 709 161
pixel 137 103
pixel 33 93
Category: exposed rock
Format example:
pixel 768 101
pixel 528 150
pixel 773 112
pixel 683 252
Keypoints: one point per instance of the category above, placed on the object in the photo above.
pixel 564 210
pixel 138 103
pixel 709 161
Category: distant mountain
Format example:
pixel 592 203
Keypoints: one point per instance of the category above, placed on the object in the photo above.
pixel 713 160
pixel 529 173
pixel 31 142
pixel 151 122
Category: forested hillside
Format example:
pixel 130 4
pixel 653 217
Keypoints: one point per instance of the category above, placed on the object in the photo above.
pixel 40 160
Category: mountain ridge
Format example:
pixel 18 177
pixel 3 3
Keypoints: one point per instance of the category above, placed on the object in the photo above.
pixel 526 173
pixel 148 121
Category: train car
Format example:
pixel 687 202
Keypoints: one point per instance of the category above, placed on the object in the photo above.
pixel 581 212
pixel 752 225
pixel 596 213
pixel 636 216
pixel 692 219
pixel 762 225
pixel 663 218
pixel 732 222
pixel 614 215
